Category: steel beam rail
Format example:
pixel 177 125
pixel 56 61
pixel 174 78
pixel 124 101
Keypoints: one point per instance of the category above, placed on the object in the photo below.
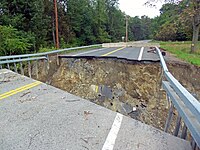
pixel 47 53
pixel 34 57
pixel 189 118
pixel 164 66
pixel 21 60
pixel 191 104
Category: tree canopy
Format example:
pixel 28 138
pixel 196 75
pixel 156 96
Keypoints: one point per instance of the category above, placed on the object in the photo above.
pixel 27 26
pixel 186 16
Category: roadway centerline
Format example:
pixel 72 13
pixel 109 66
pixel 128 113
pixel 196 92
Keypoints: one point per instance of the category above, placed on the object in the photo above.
pixel 112 136
pixel 20 89
pixel 113 51
pixel 141 53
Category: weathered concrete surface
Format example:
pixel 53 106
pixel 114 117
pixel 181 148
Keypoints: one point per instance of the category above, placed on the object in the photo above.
pixel 46 118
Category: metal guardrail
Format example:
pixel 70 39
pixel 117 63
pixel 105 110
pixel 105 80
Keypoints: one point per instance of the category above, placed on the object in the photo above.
pixel 34 57
pixel 21 60
pixel 47 53
pixel 187 106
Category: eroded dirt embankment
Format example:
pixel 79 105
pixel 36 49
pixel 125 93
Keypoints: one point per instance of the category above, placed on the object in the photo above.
pixel 188 75
pixel 129 87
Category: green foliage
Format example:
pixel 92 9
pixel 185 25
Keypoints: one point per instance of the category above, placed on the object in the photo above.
pixel 81 22
pixel 12 41
pixel 173 24
pixel 182 51
pixel 27 16
pixel 140 28
pixel 84 22
pixel 41 50
pixel 167 32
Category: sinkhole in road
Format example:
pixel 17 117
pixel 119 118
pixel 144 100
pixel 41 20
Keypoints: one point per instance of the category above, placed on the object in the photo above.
pixel 132 88
pixel 129 87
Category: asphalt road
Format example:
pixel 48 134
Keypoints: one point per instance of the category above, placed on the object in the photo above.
pixel 37 116
pixel 132 53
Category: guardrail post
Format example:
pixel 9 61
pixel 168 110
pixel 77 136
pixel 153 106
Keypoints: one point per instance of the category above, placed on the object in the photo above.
pixel 178 123
pixel 21 68
pixel 36 68
pixel 15 67
pixel 184 132
pixel 29 68
pixel 8 66
pixel 169 118
pixel 45 68
pixel 47 56
pixel 193 144
pixel 57 58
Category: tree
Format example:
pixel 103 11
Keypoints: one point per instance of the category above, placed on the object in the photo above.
pixel 13 42
pixel 115 25
pixel 192 7
pixel 195 4
pixel 101 18
pixel 170 25
pixel 140 28
pixel 27 16
pixel 167 32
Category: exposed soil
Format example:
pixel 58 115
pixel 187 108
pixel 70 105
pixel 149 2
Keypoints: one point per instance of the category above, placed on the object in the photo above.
pixel 187 74
pixel 129 87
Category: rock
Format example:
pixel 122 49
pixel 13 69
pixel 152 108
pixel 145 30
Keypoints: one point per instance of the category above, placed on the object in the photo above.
pixel 101 99
pixel 107 92
pixel 118 92
pixel 126 108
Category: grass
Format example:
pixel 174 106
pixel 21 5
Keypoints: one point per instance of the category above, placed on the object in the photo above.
pixel 182 51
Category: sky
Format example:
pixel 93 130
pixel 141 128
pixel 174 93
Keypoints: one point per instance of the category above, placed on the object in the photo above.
pixel 137 8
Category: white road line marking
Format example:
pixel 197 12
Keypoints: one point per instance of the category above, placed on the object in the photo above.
pixel 88 52
pixel 112 136
pixel 141 53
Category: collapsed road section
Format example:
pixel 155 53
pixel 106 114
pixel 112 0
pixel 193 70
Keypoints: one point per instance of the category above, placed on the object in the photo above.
pixel 130 87
pixel 126 86
pixel 38 116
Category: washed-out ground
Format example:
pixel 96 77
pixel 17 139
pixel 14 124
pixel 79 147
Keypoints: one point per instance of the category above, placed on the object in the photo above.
pixel 129 87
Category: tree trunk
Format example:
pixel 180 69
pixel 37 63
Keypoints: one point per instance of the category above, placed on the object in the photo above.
pixel 196 25
pixel 195 37
pixel 53 31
